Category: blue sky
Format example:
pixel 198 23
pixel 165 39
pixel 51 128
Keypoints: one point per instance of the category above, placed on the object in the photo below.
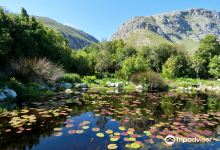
pixel 101 18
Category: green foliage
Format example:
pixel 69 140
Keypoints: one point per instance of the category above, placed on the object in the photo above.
pixel 144 37
pixel 69 32
pixel 24 13
pixel 71 78
pixel 153 80
pixel 186 82
pixel 132 65
pixel 27 92
pixel 104 61
pixel 169 68
pixel 197 63
pixel 158 55
pixel 82 64
pixel 17 86
pixel 209 47
pixel 89 79
pixel 214 66
pixel 176 66
pixel 22 37
pixel 35 70
pixel 213 103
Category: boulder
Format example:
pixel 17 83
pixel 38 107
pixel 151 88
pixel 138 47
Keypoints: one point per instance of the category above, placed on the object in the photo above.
pixel 10 93
pixel 67 85
pixel 139 88
pixel 68 91
pixel 82 85
pixel 110 84
pixel 118 85
pixel 2 96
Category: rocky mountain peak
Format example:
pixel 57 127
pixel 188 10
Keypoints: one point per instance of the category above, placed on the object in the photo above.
pixel 193 24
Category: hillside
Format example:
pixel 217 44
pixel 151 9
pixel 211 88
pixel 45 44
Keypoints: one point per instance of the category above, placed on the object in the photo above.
pixel 77 38
pixel 186 28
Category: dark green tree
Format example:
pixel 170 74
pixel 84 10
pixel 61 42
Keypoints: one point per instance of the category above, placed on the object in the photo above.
pixel 209 47
pixel 214 66
pixel 24 13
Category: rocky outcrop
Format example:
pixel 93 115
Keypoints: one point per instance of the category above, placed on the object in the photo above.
pixel 192 24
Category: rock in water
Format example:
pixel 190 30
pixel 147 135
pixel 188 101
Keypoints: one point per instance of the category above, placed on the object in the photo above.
pixel 2 96
pixel 10 93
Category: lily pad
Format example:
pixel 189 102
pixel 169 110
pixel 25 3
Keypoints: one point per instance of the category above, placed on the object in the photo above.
pixel 112 146
pixel 100 135
pixel 95 129
pixel 58 134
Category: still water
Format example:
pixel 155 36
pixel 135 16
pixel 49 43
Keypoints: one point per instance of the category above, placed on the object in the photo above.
pixel 114 122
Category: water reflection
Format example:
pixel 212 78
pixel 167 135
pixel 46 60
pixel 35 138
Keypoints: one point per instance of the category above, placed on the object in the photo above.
pixel 165 113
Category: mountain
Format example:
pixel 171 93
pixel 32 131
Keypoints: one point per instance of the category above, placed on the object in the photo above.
pixel 77 38
pixel 186 28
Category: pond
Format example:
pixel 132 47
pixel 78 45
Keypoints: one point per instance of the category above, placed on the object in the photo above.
pixel 125 121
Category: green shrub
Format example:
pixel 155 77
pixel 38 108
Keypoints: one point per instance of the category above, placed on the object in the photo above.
pixel 2 77
pixel 34 70
pixel 132 65
pixel 17 86
pixel 153 80
pixel 71 78
pixel 214 66
pixel 89 79
pixel 29 91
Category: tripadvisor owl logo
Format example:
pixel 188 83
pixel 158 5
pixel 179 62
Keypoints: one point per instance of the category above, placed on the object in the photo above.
pixel 169 139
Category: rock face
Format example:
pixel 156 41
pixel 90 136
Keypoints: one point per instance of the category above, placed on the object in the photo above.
pixel 177 26
pixel 77 39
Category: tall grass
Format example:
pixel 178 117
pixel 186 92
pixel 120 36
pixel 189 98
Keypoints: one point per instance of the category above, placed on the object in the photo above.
pixel 34 70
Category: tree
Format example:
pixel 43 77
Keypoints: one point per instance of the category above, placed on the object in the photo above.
pixel 157 56
pixel 24 13
pixel 209 47
pixel 104 61
pixel 176 66
pixel 24 38
pixel 132 65
pixel 169 68
pixel 81 63
pixel 161 54
pixel 197 65
pixel 214 66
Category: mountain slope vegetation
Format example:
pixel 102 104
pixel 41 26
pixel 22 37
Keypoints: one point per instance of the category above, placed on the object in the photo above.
pixel 77 39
